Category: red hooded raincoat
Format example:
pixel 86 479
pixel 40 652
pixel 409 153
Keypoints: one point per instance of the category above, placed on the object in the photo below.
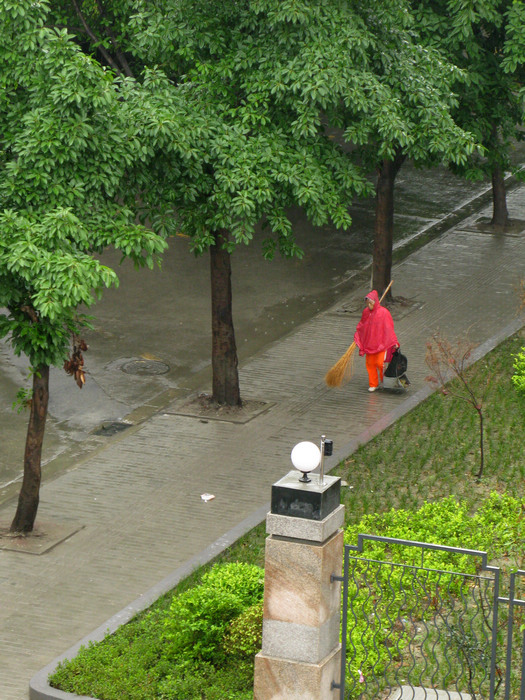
pixel 375 330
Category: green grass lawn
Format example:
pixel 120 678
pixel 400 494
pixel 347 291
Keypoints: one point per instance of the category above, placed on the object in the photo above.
pixel 429 454
pixel 434 451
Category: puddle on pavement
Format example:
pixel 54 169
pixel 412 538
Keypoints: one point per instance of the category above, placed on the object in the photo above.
pixel 109 429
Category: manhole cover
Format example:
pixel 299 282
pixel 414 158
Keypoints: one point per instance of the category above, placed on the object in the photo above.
pixel 145 367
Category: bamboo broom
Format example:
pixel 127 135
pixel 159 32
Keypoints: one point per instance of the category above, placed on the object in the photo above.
pixel 342 371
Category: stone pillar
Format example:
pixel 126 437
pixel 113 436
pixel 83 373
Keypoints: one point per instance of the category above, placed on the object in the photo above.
pixel 301 653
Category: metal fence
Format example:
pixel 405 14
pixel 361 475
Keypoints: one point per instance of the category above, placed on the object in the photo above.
pixel 425 621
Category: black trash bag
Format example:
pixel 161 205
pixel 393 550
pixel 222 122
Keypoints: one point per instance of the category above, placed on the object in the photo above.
pixel 397 366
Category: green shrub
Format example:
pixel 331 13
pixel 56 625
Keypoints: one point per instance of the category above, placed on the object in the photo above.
pixel 497 527
pixel 447 522
pixel 244 580
pixel 197 619
pixel 518 378
pixel 195 681
pixel 125 664
pixel 244 634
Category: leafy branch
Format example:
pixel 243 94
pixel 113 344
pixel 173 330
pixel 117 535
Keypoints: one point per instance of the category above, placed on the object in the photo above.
pixel 22 400
pixel 99 44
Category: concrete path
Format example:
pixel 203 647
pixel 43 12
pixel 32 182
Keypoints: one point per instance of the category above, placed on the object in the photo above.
pixel 131 511
pixel 151 337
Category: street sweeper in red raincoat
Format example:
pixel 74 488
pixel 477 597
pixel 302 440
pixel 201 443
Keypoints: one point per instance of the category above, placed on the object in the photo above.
pixel 376 339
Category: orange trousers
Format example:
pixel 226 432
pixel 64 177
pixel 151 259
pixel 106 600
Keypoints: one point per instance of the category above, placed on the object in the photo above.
pixel 374 367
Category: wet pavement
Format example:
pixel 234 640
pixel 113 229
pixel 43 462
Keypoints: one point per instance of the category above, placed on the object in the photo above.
pixel 151 341
pixel 124 510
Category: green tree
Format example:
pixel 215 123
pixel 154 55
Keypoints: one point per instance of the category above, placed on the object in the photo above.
pixel 405 111
pixel 257 145
pixel 67 140
pixel 261 80
pixel 485 39
pixel 514 49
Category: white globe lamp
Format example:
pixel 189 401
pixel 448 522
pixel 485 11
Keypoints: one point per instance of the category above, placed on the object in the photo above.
pixel 305 456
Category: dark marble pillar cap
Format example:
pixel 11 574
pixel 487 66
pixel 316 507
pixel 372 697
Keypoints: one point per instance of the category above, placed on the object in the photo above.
pixel 312 500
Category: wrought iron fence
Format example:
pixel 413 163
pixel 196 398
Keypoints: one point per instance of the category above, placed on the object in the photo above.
pixel 422 621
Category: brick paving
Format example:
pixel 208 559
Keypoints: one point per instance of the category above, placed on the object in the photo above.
pixel 136 503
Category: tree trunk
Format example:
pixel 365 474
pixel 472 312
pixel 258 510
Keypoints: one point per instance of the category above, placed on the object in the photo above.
pixel 224 352
pixel 500 215
pixel 481 449
pixel 29 496
pixel 384 223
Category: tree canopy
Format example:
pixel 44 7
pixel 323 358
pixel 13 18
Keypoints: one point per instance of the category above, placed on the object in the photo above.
pixel 263 79
pixel 67 140
pixel 68 137
pixel 485 39
pixel 244 93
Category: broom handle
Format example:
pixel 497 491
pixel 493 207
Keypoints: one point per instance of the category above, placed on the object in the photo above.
pixel 386 290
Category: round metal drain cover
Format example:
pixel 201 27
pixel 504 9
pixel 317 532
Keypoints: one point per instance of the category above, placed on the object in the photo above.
pixel 145 367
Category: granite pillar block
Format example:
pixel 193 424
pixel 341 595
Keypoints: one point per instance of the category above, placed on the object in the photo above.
pixel 280 679
pixel 295 642
pixel 301 603
pixel 303 529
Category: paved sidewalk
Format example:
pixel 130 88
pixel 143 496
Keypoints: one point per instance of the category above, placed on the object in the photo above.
pixel 135 505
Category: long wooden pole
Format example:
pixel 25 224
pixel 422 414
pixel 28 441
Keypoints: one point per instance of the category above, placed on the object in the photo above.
pixel 386 290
